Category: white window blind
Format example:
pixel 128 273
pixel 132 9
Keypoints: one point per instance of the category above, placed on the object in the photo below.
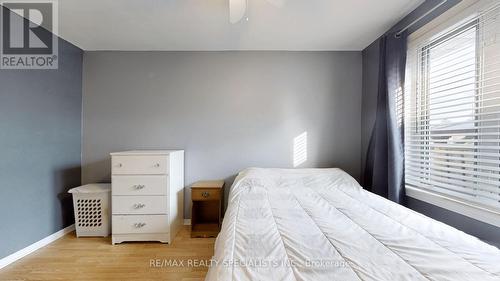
pixel 452 111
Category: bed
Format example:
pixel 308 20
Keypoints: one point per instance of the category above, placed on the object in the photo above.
pixel 319 224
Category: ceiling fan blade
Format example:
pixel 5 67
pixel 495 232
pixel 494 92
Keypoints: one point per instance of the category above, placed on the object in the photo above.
pixel 237 10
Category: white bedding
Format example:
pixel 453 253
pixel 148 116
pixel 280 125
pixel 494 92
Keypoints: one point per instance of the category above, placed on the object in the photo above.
pixel 319 224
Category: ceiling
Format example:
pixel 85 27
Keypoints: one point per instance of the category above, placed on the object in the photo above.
pixel 204 24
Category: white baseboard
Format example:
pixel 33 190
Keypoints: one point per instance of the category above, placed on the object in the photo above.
pixel 35 246
pixel 187 221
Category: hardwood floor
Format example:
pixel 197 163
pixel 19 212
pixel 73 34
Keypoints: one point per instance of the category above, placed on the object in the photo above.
pixel 71 258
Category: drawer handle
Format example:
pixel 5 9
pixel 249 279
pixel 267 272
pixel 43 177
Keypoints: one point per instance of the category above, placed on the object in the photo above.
pixel 205 194
pixel 139 186
pixel 139 224
pixel 119 165
pixel 139 206
pixel 157 165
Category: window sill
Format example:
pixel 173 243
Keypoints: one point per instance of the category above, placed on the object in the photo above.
pixel 479 213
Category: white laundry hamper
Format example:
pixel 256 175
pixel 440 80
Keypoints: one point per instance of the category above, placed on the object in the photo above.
pixel 91 203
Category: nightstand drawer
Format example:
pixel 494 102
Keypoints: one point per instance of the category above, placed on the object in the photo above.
pixel 205 194
pixel 140 224
pixel 136 205
pixel 139 165
pixel 140 185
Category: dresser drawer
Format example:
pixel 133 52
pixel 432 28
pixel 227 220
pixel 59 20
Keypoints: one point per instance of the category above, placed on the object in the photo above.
pixel 139 165
pixel 139 205
pixel 139 185
pixel 205 194
pixel 140 224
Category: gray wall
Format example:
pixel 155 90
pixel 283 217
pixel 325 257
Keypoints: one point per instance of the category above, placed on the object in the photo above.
pixel 484 231
pixel 228 110
pixel 40 149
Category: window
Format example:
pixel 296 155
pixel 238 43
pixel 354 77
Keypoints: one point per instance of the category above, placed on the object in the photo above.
pixel 452 112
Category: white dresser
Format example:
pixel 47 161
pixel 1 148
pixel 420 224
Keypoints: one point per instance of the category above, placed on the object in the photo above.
pixel 147 195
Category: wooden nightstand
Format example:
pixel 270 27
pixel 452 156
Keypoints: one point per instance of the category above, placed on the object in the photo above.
pixel 206 208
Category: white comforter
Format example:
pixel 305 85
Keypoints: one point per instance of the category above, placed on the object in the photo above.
pixel 319 224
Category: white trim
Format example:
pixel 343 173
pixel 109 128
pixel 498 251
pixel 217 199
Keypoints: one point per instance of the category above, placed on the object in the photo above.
pixel 187 221
pixel 35 246
pixel 455 15
pixel 456 205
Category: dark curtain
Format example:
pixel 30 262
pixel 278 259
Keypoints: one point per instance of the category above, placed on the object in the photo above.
pixel 385 157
